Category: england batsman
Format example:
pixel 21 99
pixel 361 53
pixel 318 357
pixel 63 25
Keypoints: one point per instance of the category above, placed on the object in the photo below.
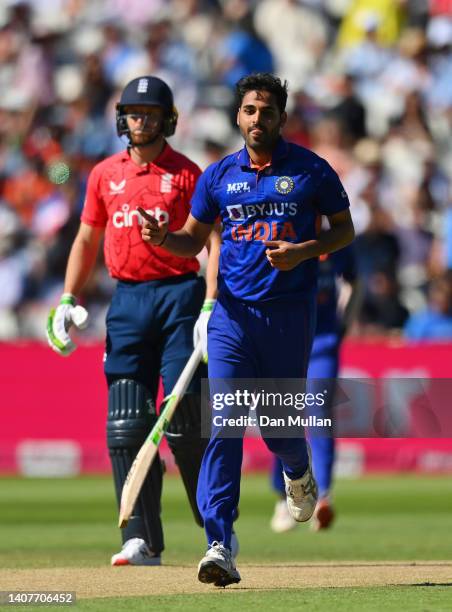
pixel 155 307
pixel 268 196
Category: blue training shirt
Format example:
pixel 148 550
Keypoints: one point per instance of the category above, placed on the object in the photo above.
pixel 279 202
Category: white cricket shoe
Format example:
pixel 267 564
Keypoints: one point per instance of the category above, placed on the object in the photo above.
pixel 282 520
pixel 301 495
pixel 218 566
pixel 135 552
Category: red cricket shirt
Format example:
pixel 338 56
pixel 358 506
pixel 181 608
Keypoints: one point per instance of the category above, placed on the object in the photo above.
pixel 116 187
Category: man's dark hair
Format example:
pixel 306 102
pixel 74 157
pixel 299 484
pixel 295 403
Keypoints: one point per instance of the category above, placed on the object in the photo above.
pixel 263 81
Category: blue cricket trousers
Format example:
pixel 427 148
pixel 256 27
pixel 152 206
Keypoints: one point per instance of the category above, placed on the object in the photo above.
pixel 323 364
pixel 265 340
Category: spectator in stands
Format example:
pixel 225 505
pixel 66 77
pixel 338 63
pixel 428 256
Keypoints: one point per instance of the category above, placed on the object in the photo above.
pixel 350 111
pixel 385 126
pixel 435 322
pixel 381 313
pixel 241 51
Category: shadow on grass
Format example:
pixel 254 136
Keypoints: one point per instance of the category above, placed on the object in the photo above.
pixel 431 584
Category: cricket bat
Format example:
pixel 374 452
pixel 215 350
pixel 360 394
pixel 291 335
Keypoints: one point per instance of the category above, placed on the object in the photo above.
pixel 148 451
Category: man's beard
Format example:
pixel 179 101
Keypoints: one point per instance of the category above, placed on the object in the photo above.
pixel 145 143
pixel 268 142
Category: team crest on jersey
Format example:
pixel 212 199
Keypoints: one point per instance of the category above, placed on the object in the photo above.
pixel 116 188
pixel 284 184
pixel 166 183
pixel 236 213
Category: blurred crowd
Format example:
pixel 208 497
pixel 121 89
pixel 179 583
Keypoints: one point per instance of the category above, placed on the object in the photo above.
pixel 370 90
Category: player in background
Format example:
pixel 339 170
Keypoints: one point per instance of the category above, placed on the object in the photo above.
pixel 268 196
pixel 156 305
pixel 336 309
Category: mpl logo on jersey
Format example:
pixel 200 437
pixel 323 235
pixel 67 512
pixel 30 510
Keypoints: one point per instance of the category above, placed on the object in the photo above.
pixel 240 212
pixel 125 217
pixel 242 187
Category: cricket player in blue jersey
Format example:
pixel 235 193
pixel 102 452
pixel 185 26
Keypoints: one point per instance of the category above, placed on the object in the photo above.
pixel 335 310
pixel 268 196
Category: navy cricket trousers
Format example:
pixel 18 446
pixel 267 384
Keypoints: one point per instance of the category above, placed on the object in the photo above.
pixel 266 340
pixel 150 330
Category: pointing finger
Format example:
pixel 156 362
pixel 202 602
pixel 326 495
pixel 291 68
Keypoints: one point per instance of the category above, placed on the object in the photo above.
pixel 146 216
pixel 272 243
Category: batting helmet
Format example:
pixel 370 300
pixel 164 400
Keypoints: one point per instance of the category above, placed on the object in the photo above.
pixel 147 91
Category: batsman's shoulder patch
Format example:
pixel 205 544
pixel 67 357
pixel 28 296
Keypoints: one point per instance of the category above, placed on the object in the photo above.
pixel 284 184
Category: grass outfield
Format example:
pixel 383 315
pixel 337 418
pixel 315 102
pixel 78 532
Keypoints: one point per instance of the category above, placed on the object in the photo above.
pixel 71 524
pixel 309 600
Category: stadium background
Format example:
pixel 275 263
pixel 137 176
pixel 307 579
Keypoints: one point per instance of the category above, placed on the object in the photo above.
pixel 370 90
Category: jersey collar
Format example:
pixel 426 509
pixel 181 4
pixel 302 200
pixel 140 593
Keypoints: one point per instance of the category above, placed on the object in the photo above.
pixel 280 152
pixel 165 155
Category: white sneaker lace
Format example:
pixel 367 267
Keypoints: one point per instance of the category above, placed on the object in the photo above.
pixel 300 491
pixel 222 551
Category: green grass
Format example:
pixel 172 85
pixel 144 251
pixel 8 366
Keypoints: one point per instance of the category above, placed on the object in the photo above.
pixel 420 599
pixel 56 523
pixel 52 522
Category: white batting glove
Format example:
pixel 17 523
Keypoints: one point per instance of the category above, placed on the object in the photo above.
pixel 59 322
pixel 200 329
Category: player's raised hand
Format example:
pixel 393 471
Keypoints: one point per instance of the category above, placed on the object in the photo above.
pixel 283 255
pixel 153 231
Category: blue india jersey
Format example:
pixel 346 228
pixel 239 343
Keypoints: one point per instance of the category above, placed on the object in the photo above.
pixel 279 202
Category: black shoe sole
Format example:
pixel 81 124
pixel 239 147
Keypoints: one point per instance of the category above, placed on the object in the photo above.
pixel 211 573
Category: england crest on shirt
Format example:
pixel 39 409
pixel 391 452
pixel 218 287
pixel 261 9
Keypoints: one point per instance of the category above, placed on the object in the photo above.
pixel 166 183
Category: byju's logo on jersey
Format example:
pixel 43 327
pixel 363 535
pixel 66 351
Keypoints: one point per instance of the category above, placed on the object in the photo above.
pixel 238 187
pixel 239 212
pixel 236 213
pixel 284 184
pixel 117 188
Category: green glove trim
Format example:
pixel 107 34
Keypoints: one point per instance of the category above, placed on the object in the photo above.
pixel 68 298
pixel 208 305
pixel 55 341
